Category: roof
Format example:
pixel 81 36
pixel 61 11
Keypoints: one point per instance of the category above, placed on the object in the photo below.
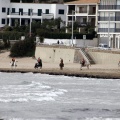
pixel 83 2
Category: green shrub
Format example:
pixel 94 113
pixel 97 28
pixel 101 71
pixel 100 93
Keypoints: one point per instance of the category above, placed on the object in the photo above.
pixel 23 48
pixel 41 39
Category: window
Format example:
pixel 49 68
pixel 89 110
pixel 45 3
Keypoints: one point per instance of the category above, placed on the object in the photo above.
pixel 20 11
pixel 61 11
pixel 39 12
pixel 3 21
pixel 30 11
pixel 3 9
pixel 47 11
pixel 13 10
pixel 8 10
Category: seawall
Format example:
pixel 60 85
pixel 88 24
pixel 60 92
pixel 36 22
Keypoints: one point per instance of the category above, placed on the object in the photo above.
pixel 54 53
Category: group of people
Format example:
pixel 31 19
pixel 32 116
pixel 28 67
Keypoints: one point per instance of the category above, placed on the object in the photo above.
pixel 39 63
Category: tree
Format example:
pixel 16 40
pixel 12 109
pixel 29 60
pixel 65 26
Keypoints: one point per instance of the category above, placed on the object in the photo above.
pixel 23 48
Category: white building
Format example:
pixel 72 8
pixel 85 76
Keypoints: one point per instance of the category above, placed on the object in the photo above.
pixel 22 13
pixel 109 23
pixel 83 11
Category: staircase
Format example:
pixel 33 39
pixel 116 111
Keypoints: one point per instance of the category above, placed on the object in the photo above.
pixel 80 53
pixel 86 56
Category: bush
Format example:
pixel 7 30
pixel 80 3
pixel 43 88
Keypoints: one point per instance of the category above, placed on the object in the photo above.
pixel 60 35
pixel 23 48
pixel 6 43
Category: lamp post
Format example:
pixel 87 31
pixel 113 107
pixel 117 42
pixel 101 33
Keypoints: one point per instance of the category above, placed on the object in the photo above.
pixel 30 20
pixel 41 17
pixel 109 28
pixel 72 25
pixel 10 17
pixel 20 18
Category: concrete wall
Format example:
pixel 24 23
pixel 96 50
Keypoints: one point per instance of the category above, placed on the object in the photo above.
pixel 77 42
pixel 105 57
pixel 53 54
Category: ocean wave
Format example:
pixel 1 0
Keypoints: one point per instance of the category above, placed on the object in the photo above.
pixel 29 91
pixel 100 118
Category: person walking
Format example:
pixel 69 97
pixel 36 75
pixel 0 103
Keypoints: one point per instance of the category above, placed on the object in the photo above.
pixel 13 63
pixel 61 64
pixel 82 63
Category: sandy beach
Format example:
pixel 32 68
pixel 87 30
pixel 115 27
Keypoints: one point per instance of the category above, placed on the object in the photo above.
pixel 26 64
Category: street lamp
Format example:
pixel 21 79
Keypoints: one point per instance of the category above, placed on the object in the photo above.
pixel 30 19
pixel 20 18
pixel 109 29
pixel 72 24
pixel 10 17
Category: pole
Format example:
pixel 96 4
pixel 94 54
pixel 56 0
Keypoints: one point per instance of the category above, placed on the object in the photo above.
pixel 72 27
pixel 10 17
pixel 109 29
pixel 20 18
pixel 30 20
pixel 41 18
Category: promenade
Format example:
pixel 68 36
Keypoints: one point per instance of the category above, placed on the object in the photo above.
pixel 72 69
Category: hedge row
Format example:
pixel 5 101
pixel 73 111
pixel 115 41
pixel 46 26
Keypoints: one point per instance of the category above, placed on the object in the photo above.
pixel 17 35
pixel 65 35
pixel 11 35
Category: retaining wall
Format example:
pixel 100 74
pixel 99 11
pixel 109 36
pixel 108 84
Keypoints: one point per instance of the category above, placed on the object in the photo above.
pixel 102 57
pixel 53 54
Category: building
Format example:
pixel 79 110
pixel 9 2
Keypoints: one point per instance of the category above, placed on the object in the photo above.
pixel 83 11
pixel 24 13
pixel 109 23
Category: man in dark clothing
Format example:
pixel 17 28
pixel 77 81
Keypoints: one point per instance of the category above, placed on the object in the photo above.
pixel 61 64
pixel 38 64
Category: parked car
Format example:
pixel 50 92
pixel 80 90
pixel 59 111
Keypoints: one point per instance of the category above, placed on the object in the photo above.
pixel 103 46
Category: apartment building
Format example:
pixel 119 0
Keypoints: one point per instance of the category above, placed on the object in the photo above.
pixel 83 11
pixel 109 23
pixel 22 13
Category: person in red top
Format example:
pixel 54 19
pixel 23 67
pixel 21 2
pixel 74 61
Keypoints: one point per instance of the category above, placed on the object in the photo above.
pixel 82 63
pixel 13 63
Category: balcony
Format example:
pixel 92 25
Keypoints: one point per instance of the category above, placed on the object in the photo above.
pixel 92 12
pixel 107 19
pixel 109 7
pixel 34 15
pixel 103 30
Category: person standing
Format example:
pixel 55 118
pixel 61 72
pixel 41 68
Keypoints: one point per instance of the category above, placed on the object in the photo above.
pixel 61 64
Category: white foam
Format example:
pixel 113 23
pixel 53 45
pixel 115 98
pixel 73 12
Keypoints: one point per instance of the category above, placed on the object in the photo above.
pixel 100 118
pixel 29 91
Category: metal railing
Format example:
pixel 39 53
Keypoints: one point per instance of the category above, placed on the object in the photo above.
pixel 33 14
pixel 108 7
pixel 110 30
pixel 85 55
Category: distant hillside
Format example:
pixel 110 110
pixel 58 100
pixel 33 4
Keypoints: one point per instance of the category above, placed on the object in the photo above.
pixel 42 1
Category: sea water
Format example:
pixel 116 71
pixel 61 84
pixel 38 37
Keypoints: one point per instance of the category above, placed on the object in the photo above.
pixel 28 96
